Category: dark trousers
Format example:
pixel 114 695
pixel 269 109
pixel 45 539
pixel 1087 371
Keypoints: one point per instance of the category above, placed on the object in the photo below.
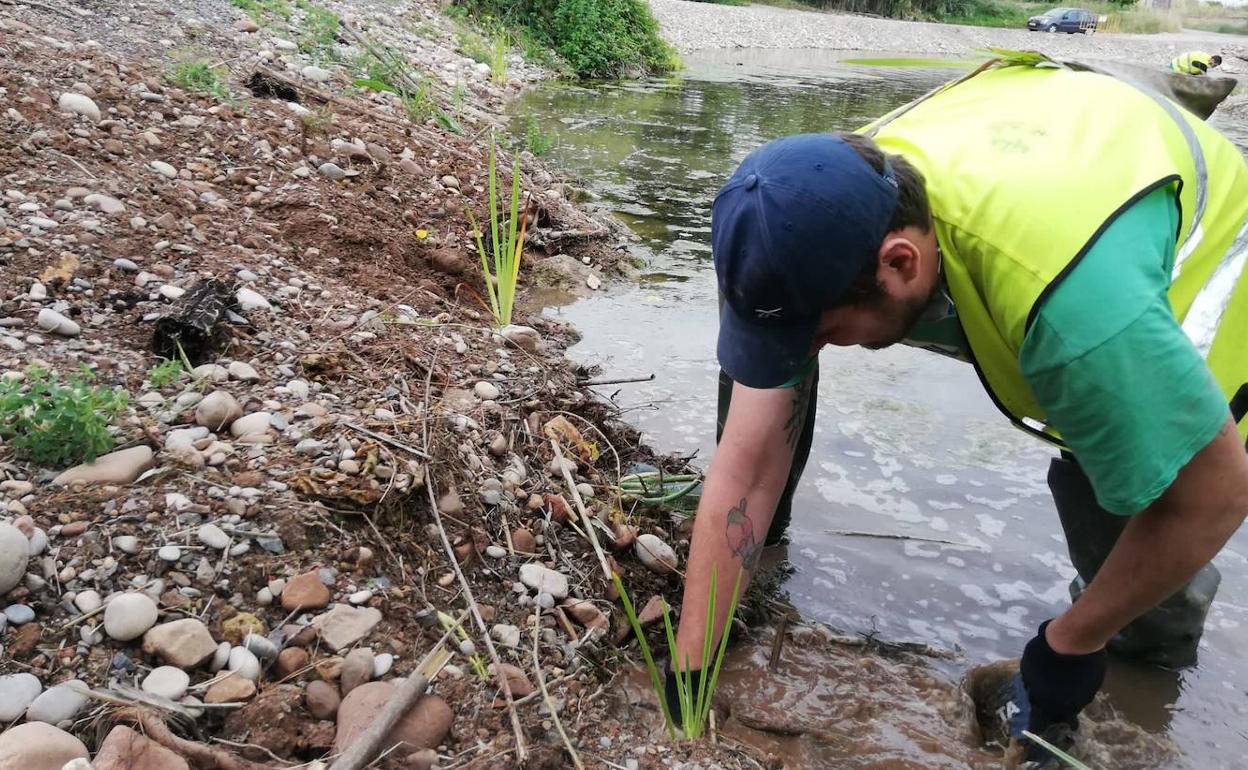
pixel 1166 635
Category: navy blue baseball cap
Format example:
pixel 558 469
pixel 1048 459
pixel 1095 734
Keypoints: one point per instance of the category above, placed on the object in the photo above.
pixel 796 223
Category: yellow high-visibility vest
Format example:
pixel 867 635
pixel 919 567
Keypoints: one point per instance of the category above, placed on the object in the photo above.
pixel 1025 166
pixel 1192 63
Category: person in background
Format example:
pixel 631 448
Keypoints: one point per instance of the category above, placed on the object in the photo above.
pixel 1103 301
pixel 1195 62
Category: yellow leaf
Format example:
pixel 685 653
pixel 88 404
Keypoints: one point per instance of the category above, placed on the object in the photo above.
pixel 559 429
pixel 422 234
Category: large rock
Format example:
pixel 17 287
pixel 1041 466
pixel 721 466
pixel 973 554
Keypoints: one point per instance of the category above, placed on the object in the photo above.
pixel 59 703
pixel 38 746
pixel 78 104
pixel 14 554
pixel 344 625
pixel 121 467
pixel 305 592
pixel 17 691
pixel 423 727
pixel 129 616
pixel 183 643
pixel 124 749
pixel 544 580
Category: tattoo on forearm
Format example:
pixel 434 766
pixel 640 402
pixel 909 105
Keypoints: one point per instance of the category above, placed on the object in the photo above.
pixel 741 539
pixel 797 417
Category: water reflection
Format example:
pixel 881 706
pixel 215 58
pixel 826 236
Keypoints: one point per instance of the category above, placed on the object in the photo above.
pixel 906 443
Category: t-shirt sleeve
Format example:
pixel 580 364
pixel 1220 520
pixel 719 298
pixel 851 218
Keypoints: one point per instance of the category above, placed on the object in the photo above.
pixel 1116 375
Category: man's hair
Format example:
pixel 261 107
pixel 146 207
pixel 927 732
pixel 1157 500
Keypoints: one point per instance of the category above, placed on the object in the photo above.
pixel 912 210
pixel 1215 60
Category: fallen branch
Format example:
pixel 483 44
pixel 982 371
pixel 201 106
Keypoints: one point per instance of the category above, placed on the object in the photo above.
pixel 522 753
pixel 199 754
pixel 580 507
pixel 550 704
pixel 386 439
pixel 368 743
pixel 621 381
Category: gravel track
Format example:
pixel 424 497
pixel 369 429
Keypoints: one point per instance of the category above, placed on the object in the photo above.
pixel 694 26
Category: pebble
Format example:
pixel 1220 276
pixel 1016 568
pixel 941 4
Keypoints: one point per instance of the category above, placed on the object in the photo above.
pixel 213 536
pixel 344 625
pixel 232 689
pixel 169 291
pixel 184 643
pixel 52 321
pixel 38 292
pixel 169 553
pixel 544 580
pixel 256 423
pixel 218 409
pixel 14 555
pixel 424 726
pixel 332 171
pixel 522 540
pixel 315 74
pixel 260 646
pixel 244 662
pixel 39 746
pixel 360 597
pixel 486 391
pixel 241 370
pixel 289 661
pixel 220 657
pixel 164 169
pixel 495 551
pixel 657 555
pixel 125 265
pixel 17 691
pixel 121 467
pixel 310 446
pixel 249 300
pixel 322 699
pixel 78 104
pixel 88 601
pixel 382 665
pixel 19 614
pixel 128 544
pixel 357 668
pixel 59 703
pixel 305 592
pixel 105 203
pixel 167 682
pixel 129 616
pixel 506 634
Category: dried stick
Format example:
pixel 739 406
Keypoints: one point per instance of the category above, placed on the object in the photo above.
pixel 580 507
pixel 522 753
pixel 621 381
pixel 550 704
pixel 387 439
pixel 368 743
pixel 199 755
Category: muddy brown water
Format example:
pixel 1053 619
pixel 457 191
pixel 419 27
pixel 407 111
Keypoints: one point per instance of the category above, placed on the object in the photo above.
pixel 906 444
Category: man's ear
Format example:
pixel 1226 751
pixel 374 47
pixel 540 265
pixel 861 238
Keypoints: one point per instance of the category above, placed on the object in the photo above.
pixel 899 258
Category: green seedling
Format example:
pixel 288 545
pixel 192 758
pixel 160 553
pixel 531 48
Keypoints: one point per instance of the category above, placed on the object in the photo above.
pixel 165 373
pixel 1055 751
pixel 695 702
pixel 461 636
pixel 59 421
pixel 501 279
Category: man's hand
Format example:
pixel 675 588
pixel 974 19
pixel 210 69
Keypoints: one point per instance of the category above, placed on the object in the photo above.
pixel 1050 692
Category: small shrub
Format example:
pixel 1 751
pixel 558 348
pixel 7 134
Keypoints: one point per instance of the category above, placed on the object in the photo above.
pixel 200 77
pixel 536 140
pixel 165 374
pixel 58 422
pixel 318 36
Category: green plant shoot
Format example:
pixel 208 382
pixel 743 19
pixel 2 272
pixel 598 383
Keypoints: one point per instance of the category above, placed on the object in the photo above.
pixel 457 631
pixel 695 703
pixel 500 281
pixel 165 373
pixel 1055 751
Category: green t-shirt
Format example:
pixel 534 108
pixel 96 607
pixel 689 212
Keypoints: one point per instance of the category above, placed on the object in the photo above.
pixel 1109 363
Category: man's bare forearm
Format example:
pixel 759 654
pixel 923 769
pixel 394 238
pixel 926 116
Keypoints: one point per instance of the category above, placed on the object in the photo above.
pixel 1162 547
pixel 745 481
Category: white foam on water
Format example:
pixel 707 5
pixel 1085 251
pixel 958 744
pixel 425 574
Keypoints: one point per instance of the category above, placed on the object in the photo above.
pixel 914 548
pixel 996 505
pixel 1058 562
pixel 946 479
pixel 938 524
pixel 937 505
pixel 875 496
pixel 977 632
pixel 1019 590
pixel 1012 619
pixel 978 595
pixel 955 561
pixel 991 527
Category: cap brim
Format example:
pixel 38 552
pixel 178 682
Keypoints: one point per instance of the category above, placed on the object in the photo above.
pixel 762 356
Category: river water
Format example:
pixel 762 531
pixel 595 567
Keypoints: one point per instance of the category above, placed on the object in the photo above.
pixel 906 443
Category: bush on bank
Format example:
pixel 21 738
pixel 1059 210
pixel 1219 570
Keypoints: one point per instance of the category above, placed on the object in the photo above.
pixel 597 38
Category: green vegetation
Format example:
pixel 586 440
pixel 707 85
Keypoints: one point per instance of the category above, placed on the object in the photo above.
pixel 1055 751
pixel 536 140
pixel 695 702
pixel 198 76
pixel 58 421
pixel 500 282
pixel 385 71
pixel 165 374
pixel 318 35
pixel 466 647
pixel 597 38
pixel 256 9
pixel 1223 27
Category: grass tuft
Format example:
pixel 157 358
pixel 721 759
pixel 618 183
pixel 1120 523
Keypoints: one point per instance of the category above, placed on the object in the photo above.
pixel 200 77
pixel 506 240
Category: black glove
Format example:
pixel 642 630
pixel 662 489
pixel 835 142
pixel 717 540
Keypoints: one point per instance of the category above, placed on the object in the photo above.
pixel 1057 687
pixel 671 695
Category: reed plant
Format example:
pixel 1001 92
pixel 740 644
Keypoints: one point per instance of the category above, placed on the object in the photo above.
pixel 694 697
pixel 500 267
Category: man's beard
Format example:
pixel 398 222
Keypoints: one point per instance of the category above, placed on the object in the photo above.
pixel 907 314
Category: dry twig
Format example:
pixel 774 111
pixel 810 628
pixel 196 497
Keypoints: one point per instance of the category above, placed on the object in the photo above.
pixel 550 704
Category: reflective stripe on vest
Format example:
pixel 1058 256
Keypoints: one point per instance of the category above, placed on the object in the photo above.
pixel 1201 323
